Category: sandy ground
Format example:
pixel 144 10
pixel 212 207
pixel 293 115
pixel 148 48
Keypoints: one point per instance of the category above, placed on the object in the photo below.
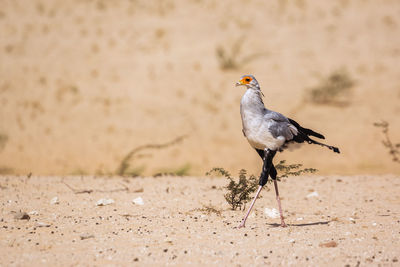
pixel 84 82
pixel 354 221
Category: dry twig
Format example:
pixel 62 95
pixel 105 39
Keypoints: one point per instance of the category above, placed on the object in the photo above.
pixel 394 149
pixel 123 167
pixel 83 191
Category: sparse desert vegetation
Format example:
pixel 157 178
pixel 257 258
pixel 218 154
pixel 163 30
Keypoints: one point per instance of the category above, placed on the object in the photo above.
pixel 239 192
pixel 393 148
pixel 332 90
pixel 230 57
pixel 125 167
pixel 3 140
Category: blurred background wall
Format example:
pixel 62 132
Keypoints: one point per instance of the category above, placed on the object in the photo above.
pixel 84 82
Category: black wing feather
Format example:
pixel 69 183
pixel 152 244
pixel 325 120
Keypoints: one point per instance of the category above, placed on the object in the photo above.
pixel 305 130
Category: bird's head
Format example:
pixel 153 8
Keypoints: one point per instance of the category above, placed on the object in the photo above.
pixel 249 81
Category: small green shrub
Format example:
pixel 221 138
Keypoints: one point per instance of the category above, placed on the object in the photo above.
pixel 239 193
pixel 184 170
pixel 285 171
pixel 208 209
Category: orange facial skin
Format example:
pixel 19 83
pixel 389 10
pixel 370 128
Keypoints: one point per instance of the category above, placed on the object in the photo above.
pixel 246 80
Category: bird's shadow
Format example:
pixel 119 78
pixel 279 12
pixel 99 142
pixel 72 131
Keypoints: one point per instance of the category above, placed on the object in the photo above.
pixel 300 224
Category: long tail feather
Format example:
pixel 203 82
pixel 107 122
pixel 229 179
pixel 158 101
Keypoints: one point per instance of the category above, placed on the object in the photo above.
pixel 312 133
pixel 305 130
pixel 333 148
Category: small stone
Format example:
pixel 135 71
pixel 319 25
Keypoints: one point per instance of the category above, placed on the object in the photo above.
pixel 272 213
pixel 86 236
pixel 42 224
pixel 313 194
pixel 104 202
pixel 54 201
pixel 140 190
pixel 330 244
pixel 21 216
pixel 138 201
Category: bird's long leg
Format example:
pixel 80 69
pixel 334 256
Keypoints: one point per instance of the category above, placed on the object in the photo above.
pixel 242 224
pixel 278 199
pixel 263 180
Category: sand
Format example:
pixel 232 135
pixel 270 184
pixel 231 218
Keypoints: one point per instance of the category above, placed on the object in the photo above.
pixel 353 221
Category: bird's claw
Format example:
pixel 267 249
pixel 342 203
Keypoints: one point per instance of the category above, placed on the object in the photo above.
pixel 241 225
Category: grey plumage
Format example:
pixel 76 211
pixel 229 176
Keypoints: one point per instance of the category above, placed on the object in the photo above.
pixel 267 129
pixel 262 127
pixel 279 125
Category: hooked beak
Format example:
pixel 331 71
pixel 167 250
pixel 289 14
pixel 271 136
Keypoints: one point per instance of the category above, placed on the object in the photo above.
pixel 238 84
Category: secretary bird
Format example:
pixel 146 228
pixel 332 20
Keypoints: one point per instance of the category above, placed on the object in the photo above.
pixel 267 132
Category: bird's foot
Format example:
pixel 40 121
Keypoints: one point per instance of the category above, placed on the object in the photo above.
pixel 241 225
pixel 283 224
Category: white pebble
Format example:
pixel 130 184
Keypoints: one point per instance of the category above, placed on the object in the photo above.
pixel 272 213
pixel 138 201
pixel 42 224
pixel 104 201
pixel 54 200
pixel 313 194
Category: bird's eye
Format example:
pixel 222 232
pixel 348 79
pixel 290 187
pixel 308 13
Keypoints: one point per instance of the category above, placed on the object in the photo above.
pixel 247 79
